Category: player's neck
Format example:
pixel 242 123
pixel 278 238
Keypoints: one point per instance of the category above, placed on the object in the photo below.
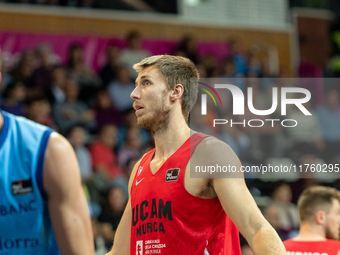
pixel 170 139
pixel 310 232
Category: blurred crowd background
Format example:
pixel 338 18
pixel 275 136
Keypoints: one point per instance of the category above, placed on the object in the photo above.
pixel 91 106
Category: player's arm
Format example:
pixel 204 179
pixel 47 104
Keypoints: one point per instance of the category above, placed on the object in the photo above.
pixel 121 244
pixel 66 201
pixel 238 203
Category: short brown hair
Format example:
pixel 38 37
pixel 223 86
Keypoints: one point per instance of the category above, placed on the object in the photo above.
pixel 176 70
pixel 314 199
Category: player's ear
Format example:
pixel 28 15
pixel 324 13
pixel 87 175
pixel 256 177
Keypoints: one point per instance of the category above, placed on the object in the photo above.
pixel 177 92
pixel 320 217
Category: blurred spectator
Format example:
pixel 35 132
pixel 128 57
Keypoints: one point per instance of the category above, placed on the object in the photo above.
pixel 200 122
pixel 210 64
pixel 307 172
pixel 307 178
pixel 56 91
pixel 111 214
pixel 267 74
pixel 13 98
pixel 239 57
pixel 127 170
pixel 104 159
pixel 228 71
pixel 131 123
pixel 85 77
pixel 329 120
pixel 105 112
pixel 108 72
pixel 267 85
pixel 235 138
pixel 77 137
pixel 73 112
pixel 24 70
pixel 263 139
pixel 288 212
pixel 306 137
pixel 272 215
pixel 254 67
pixel 4 70
pixel 188 48
pixel 131 148
pixel 38 109
pixel 42 76
pixel 315 85
pixel 214 72
pixel 265 68
pixel 133 53
pixel 121 89
pixel 201 70
pixel 99 242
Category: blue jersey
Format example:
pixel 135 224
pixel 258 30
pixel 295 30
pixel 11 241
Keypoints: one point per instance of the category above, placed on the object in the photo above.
pixel 25 226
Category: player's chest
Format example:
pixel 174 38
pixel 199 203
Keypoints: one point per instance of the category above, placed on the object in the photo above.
pixel 163 183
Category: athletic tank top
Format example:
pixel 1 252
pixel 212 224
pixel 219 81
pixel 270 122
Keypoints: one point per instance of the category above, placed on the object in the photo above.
pixel 328 247
pixel 167 219
pixel 24 221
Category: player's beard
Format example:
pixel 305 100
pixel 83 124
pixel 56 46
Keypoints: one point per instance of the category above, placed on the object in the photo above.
pixel 330 235
pixel 159 120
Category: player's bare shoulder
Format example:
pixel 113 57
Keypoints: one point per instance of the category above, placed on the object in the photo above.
pixel 57 142
pixel 213 150
pixel 60 164
pixel 208 152
pixel 214 159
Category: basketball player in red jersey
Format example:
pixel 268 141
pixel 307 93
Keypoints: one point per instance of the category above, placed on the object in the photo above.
pixel 319 210
pixel 168 212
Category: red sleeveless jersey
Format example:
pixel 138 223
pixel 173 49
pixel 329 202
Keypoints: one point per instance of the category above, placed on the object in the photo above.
pixel 167 219
pixel 327 247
